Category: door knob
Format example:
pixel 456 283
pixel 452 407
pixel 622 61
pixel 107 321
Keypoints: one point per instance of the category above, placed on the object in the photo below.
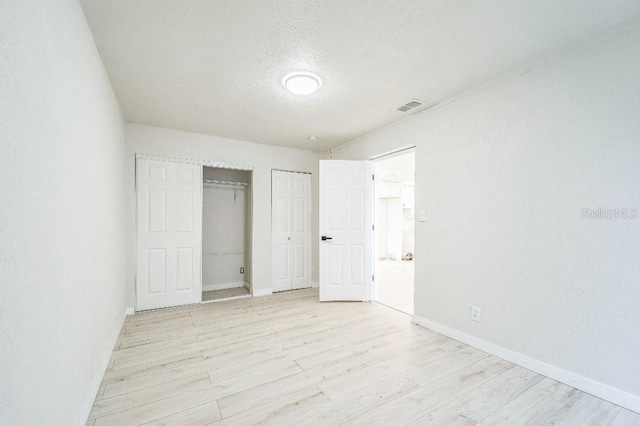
pixel 324 238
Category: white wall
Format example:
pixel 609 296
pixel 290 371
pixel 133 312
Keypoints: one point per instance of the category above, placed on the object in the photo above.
pixel 263 158
pixel 503 174
pixel 62 262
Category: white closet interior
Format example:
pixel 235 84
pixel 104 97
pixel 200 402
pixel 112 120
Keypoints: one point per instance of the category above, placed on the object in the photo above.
pixel 226 270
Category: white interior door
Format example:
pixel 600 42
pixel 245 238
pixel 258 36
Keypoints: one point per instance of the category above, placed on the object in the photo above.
pixel 281 230
pixel 169 206
pixel 300 230
pixel 291 230
pixel 346 222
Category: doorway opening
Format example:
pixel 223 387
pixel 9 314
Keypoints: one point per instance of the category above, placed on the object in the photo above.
pixel 395 231
pixel 226 234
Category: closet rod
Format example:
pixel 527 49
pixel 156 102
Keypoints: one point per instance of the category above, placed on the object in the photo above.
pixel 225 182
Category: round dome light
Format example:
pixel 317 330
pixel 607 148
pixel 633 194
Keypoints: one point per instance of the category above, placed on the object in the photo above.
pixel 301 83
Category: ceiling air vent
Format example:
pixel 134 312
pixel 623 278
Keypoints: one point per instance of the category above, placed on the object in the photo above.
pixel 414 103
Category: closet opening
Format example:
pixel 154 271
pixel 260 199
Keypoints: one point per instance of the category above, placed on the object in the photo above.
pixel 226 234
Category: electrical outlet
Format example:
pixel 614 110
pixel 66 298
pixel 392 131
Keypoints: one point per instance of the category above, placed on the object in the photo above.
pixel 242 270
pixel 476 313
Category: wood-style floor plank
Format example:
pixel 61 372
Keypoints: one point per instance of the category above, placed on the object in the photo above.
pixel 278 409
pixel 247 399
pixel 159 408
pixel 288 359
pixel 490 396
pixel 626 418
pixel 151 368
pixel 445 416
pixel 427 398
pixel 442 366
pixel 144 396
pixel 200 415
pixel 521 409
pixel 355 403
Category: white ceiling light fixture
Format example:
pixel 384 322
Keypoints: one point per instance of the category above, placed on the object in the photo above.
pixel 301 82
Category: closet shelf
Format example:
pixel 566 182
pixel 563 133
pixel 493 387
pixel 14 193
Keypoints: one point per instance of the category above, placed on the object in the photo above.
pixel 225 182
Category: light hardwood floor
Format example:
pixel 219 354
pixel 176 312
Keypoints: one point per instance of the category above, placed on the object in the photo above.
pixel 288 359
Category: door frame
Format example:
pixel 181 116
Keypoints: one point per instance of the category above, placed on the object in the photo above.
pixel 183 160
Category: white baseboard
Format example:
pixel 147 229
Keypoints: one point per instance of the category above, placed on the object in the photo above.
pixel 265 292
pixel 601 390
pixel 224 286
pixel 130 311
pixel 315 284
pixel 85 410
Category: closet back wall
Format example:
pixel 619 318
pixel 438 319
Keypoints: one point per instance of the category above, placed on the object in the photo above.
pixel 263 158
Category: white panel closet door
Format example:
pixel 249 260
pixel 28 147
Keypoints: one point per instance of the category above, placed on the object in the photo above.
pixel 346 221
pixel 301 230
pixel 291 230
pixel 169 206
pixel 281 230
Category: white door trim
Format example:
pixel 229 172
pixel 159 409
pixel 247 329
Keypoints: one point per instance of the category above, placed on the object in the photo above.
pixel 291 171
pixel 394 153
pixel 216 164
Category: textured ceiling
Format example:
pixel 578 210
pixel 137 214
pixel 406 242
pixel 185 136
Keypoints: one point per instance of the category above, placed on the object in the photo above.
pixel 215 66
